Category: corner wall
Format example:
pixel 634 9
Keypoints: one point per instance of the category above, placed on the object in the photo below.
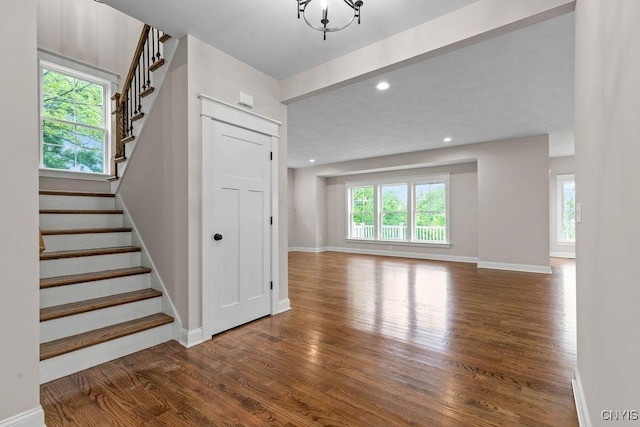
pixel 607 155
pixel 19 262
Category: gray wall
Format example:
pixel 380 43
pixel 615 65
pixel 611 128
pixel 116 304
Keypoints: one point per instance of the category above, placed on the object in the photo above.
pixel 607 155
pixel 558 166
pixel 19 303
pixel 512 200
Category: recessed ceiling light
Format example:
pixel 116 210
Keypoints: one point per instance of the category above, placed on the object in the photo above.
pixel 382 86
pixel 448 139
pixel 312 160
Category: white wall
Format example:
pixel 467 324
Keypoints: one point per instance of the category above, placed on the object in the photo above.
pixel 513 202
pixel 90 32
pixel 291 207
pixel 19 303
pixel 512 199
pixel 154 189
pixel 607 155
pixel 463 189
pixel 558 166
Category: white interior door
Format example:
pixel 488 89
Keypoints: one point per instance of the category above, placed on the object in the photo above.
pixel 236 223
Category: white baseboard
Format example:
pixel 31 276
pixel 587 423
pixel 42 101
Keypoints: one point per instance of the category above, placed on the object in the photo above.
pixel 544 269
pixel 570 255
pixel 416 255
pixel 581 402
pixel 284 305
pixel 31 418
pixel 190 338
pixel 310 250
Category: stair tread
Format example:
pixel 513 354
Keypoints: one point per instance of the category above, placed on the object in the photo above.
pixel 88 252
pixel 76 342
pixel 64 310
pixel 159 63
pixel 82 211
pixel 86 231
pixel 71 279
pixel 75 193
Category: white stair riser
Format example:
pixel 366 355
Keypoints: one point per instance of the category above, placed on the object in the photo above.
pixel 89 290
pixel 76 202
pixel 68 242
pixel 66 266
pixel 66 364
pixel 84 322
pixel 66 221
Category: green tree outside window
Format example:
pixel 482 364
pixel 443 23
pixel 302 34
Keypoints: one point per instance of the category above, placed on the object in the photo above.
pixel 73 123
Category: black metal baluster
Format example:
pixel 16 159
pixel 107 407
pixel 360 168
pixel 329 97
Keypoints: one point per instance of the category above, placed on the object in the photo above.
pixel 146 67
pixel 138 84
pixel 153 41
pixel 158 35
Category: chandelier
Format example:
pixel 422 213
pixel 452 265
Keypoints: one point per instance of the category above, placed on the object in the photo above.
pixel 324 21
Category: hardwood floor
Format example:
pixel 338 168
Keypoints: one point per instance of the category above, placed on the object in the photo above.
pixel 370 341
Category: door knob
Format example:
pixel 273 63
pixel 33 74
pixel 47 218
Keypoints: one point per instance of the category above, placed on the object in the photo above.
pixel 217 237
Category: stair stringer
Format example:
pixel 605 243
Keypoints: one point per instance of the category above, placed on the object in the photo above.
pixel 168 307
pixel 169 49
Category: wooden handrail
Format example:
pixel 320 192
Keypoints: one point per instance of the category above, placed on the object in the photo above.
pixel 134 63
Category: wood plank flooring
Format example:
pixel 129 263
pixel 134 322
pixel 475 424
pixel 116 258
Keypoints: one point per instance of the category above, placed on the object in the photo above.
pixel 370 341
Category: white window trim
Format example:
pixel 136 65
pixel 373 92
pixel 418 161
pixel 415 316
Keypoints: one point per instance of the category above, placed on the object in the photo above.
pixel 560 180
pixel 411 182
pixel 70 66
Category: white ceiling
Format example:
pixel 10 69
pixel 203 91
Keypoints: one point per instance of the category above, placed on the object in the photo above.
pixel 518 84
pixel 267 35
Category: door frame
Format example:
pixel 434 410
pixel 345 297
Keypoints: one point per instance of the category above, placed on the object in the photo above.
pixel 220 111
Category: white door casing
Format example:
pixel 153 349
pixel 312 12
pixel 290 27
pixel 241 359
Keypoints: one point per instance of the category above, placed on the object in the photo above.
pixel 239 201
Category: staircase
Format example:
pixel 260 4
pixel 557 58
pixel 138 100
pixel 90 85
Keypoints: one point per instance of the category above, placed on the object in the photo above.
pixel 96 299
pixel 99 297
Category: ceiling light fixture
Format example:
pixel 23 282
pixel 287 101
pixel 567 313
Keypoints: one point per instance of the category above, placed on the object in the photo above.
pixel 383 86
pixel 312 160
pixel 324 21
pixel 448 139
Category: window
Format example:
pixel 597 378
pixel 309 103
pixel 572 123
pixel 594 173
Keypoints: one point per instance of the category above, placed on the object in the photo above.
pixel 566 206
pixel 73 122
pixel 362 213
pixel 393 212
pixel 431 212
pixel 409 210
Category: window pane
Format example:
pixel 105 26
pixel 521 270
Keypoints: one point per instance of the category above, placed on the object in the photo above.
pixel 394 212
pixel 58 133
pixel 569 211
pixel 362 213
pixel 58 156
pixel 73 123
pixel 431 212
pixel 58 96
pixel 89 99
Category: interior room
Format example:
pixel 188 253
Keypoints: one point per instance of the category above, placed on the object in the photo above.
pixel 319 212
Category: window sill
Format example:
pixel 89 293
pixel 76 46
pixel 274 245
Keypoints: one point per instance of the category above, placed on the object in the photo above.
pixel 401 243
pixel 566 243
pixel 85 176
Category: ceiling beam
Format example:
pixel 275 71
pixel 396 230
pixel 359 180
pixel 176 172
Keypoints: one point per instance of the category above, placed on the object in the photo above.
pixel 469 25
